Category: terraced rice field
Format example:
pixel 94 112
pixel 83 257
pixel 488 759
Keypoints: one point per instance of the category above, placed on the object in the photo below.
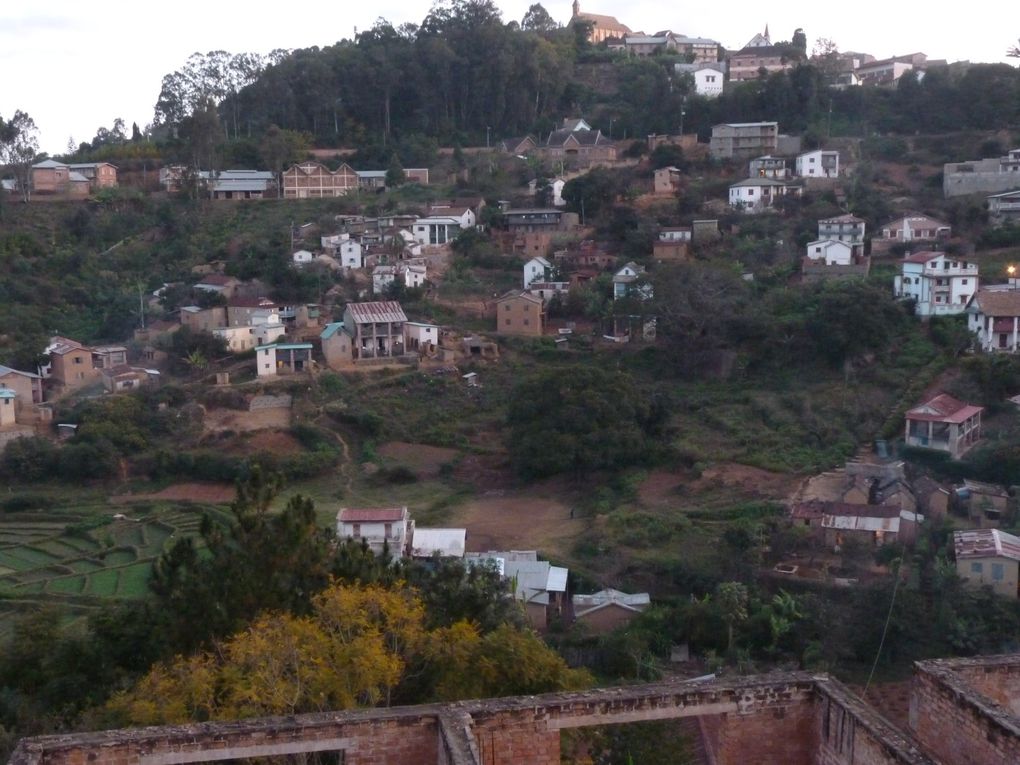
pixel 78 559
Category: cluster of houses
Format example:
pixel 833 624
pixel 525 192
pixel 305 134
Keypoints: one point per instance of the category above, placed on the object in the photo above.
pixel 711 65
pixel 540 588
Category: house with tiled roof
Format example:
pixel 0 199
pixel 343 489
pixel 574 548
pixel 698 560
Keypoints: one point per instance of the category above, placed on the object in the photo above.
pixel 71 364
pixel 988 558
pixel 939 284
pixel 755 195
pixel 945 424
pixel 27 385
pixel 911 229
pixel 993 315
pixel 520 312
pixel 759 54
pixel 381 528
pixel 601 27
pixel 577 141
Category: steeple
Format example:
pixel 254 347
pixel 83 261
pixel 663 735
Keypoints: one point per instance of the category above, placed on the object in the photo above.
pixel 766 30
pixel 577 8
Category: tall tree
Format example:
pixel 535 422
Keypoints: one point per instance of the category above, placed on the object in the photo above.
pixel 19 145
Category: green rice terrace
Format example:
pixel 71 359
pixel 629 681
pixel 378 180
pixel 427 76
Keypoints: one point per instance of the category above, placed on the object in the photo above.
pixel 77 557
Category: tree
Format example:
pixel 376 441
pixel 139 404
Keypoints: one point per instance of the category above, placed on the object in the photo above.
pixel 537 19
pixel 799 42
pixel 258 561
pixel 281 147
pixel 731 599
pixel 578 421
pixel 19 145
pixel 395 172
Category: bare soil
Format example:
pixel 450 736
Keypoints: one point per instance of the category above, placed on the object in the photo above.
pixel 506 520
pixel 275 441
pixel 207 493
pixel 218 420
pixel 751 482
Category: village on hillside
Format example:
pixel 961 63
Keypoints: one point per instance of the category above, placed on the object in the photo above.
pixel 727 401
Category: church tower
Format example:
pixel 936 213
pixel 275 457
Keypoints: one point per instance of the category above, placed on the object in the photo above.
pixel 577 8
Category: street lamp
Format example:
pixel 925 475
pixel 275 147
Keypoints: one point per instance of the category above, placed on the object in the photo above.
pixel 610 128
pixel 487 129
pixel 683 113
pixel 1011 270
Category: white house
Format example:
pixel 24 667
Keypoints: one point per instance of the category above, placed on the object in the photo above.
pixel 755 195
pixel 436 231
pixel 818 164
pixel 536 269
pixel 627 280
pixel 382 278
pixel 302 258
pixel 993 315
pixel 7 407
pixel 675 234
pixel 709 78
pixel 844 228
pixel 939 284
pixel 446 543
pixel 349 254
pixel 283 358
pixel 415 273
pixel 832 253
pixel 421 337
pixel 389 527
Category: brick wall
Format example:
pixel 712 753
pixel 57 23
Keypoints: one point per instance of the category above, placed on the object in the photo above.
pixel 955 720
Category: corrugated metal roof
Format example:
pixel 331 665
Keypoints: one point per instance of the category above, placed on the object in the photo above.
pixel 861 523
pixel 62 345
pixel 12 371
pixel 331 329
pixel 449 543
pixel 986 543
pixel 557 581
pixel 376 312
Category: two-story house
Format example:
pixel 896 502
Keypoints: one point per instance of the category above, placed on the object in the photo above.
pixel 848 229
pixel 709 76
pixel 631 281
pixel 819 163
pixel 389 528
pixel 537 270
pixel 939 284
pixel 755 195
pixel 993 315
pixel 371 334
pixel 71 364
pixel 768 167
pixel 520 312
pixel 838 251
pixel 945 424
pixel 734 140
pixel 313 180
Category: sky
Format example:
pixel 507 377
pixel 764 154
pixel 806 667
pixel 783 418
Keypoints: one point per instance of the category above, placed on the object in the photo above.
pixel 75 66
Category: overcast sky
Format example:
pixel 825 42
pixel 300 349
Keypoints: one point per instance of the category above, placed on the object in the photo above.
pixel 74 66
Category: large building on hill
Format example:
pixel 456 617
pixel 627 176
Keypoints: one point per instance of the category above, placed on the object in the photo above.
pixel 602 27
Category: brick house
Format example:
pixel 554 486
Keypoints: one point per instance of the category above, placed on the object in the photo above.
pixel 71 364
pixel 312 180
pixel 27 385
pixel 519 312
pixel 371 334
pixel 606 610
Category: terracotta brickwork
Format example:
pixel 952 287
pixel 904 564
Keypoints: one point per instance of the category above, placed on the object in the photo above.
pixel 956 712
pixel 792 718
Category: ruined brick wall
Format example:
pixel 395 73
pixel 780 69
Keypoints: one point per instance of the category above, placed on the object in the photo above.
pixel 849 732
pixel 954 721
pixel 998 681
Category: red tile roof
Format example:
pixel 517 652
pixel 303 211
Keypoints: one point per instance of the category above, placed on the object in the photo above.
pixel 921 257
pixel 372 514
pixel 944 408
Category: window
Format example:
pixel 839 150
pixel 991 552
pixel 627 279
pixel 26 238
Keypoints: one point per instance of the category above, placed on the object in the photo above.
pixel 388 530
pixel 976 568
pixel 526 322
pixel 77 359
pixel 506 306
pixel 998 572
pixel 964 282
pixel 507 322
pixel 356 530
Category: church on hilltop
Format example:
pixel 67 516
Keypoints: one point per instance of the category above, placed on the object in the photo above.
pixel 602 27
